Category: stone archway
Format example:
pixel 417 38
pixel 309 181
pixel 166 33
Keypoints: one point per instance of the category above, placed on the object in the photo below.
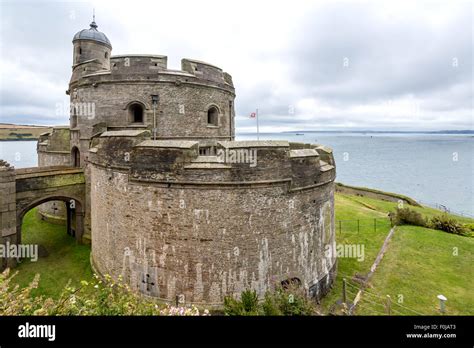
pixel 75 215
pixel 26 188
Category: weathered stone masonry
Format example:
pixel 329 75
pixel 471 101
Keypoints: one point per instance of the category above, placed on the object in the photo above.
pixel 26 188
pixel 197 227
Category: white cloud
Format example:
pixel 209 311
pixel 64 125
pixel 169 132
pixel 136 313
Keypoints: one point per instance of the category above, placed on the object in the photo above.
pixel 283 56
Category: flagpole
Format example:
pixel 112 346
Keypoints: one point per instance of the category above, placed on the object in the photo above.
pixel 258 133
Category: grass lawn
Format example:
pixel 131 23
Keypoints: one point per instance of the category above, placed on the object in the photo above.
pixel 349 209
pixel 419 263
pixel 66 259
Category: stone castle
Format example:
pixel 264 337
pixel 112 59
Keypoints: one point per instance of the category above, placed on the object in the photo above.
pixel 152 177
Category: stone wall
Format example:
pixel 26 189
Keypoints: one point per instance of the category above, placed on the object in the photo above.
pixel 184 97
pixel 174 223
pixel 54 150
pixel 36 185
pixel 207 243
pixel 89 57
pixel 181 111
pixel 7 211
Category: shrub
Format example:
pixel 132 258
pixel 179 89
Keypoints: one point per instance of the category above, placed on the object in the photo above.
pixel 290 300
pixel 406 216
pixel 249 300
pixel 470 227
pixel 450 225
pixel 100 297
pixel 270 305
pixel 247 305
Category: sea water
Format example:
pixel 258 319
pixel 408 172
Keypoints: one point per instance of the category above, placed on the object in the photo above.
pixel 435 169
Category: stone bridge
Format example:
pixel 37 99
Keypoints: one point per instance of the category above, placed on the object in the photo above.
pixel 26 188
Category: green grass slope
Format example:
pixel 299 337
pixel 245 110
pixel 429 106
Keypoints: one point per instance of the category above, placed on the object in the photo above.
pixel 419 264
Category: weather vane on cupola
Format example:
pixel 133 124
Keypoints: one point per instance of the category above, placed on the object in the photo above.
pixel 93 24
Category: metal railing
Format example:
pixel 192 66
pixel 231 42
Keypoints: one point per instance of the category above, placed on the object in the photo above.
pixel 356 225
pixel 446 209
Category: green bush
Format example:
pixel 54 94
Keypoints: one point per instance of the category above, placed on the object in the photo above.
pixel 450 225
pixel 470 227
pixel 270 306
pixel 406 216
pixel 247 305
pixel 291 300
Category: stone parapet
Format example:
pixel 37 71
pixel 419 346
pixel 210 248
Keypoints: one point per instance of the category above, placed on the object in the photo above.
pixel 179 161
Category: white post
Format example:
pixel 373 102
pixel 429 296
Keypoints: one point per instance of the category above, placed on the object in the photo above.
pixel 442 300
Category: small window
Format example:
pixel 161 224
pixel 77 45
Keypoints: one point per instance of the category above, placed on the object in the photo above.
pixel 212 116
pixel 136 113
pixel 205 151
pixel 80 50
pixel 106 55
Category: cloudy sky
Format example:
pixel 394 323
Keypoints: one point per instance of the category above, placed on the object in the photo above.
pixel 320 65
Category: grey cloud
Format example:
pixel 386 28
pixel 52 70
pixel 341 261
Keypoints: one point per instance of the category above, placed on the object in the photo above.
pixel 389 58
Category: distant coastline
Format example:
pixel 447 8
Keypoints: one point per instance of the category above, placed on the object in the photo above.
pixel 465 131
pixel 16 132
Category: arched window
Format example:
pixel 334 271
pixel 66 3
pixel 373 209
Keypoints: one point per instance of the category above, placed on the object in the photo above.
pixel 106 55
pixel 136 113
pixel 212 116
pixel 76 157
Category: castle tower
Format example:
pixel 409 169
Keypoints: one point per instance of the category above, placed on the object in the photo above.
pixel 172 203
pixel 91 52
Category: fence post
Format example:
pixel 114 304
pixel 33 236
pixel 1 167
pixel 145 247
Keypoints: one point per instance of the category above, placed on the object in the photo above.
pixel 344 297
pixel 389 305
pixel 442 299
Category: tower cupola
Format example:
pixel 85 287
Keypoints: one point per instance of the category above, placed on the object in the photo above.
pixel 92 50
